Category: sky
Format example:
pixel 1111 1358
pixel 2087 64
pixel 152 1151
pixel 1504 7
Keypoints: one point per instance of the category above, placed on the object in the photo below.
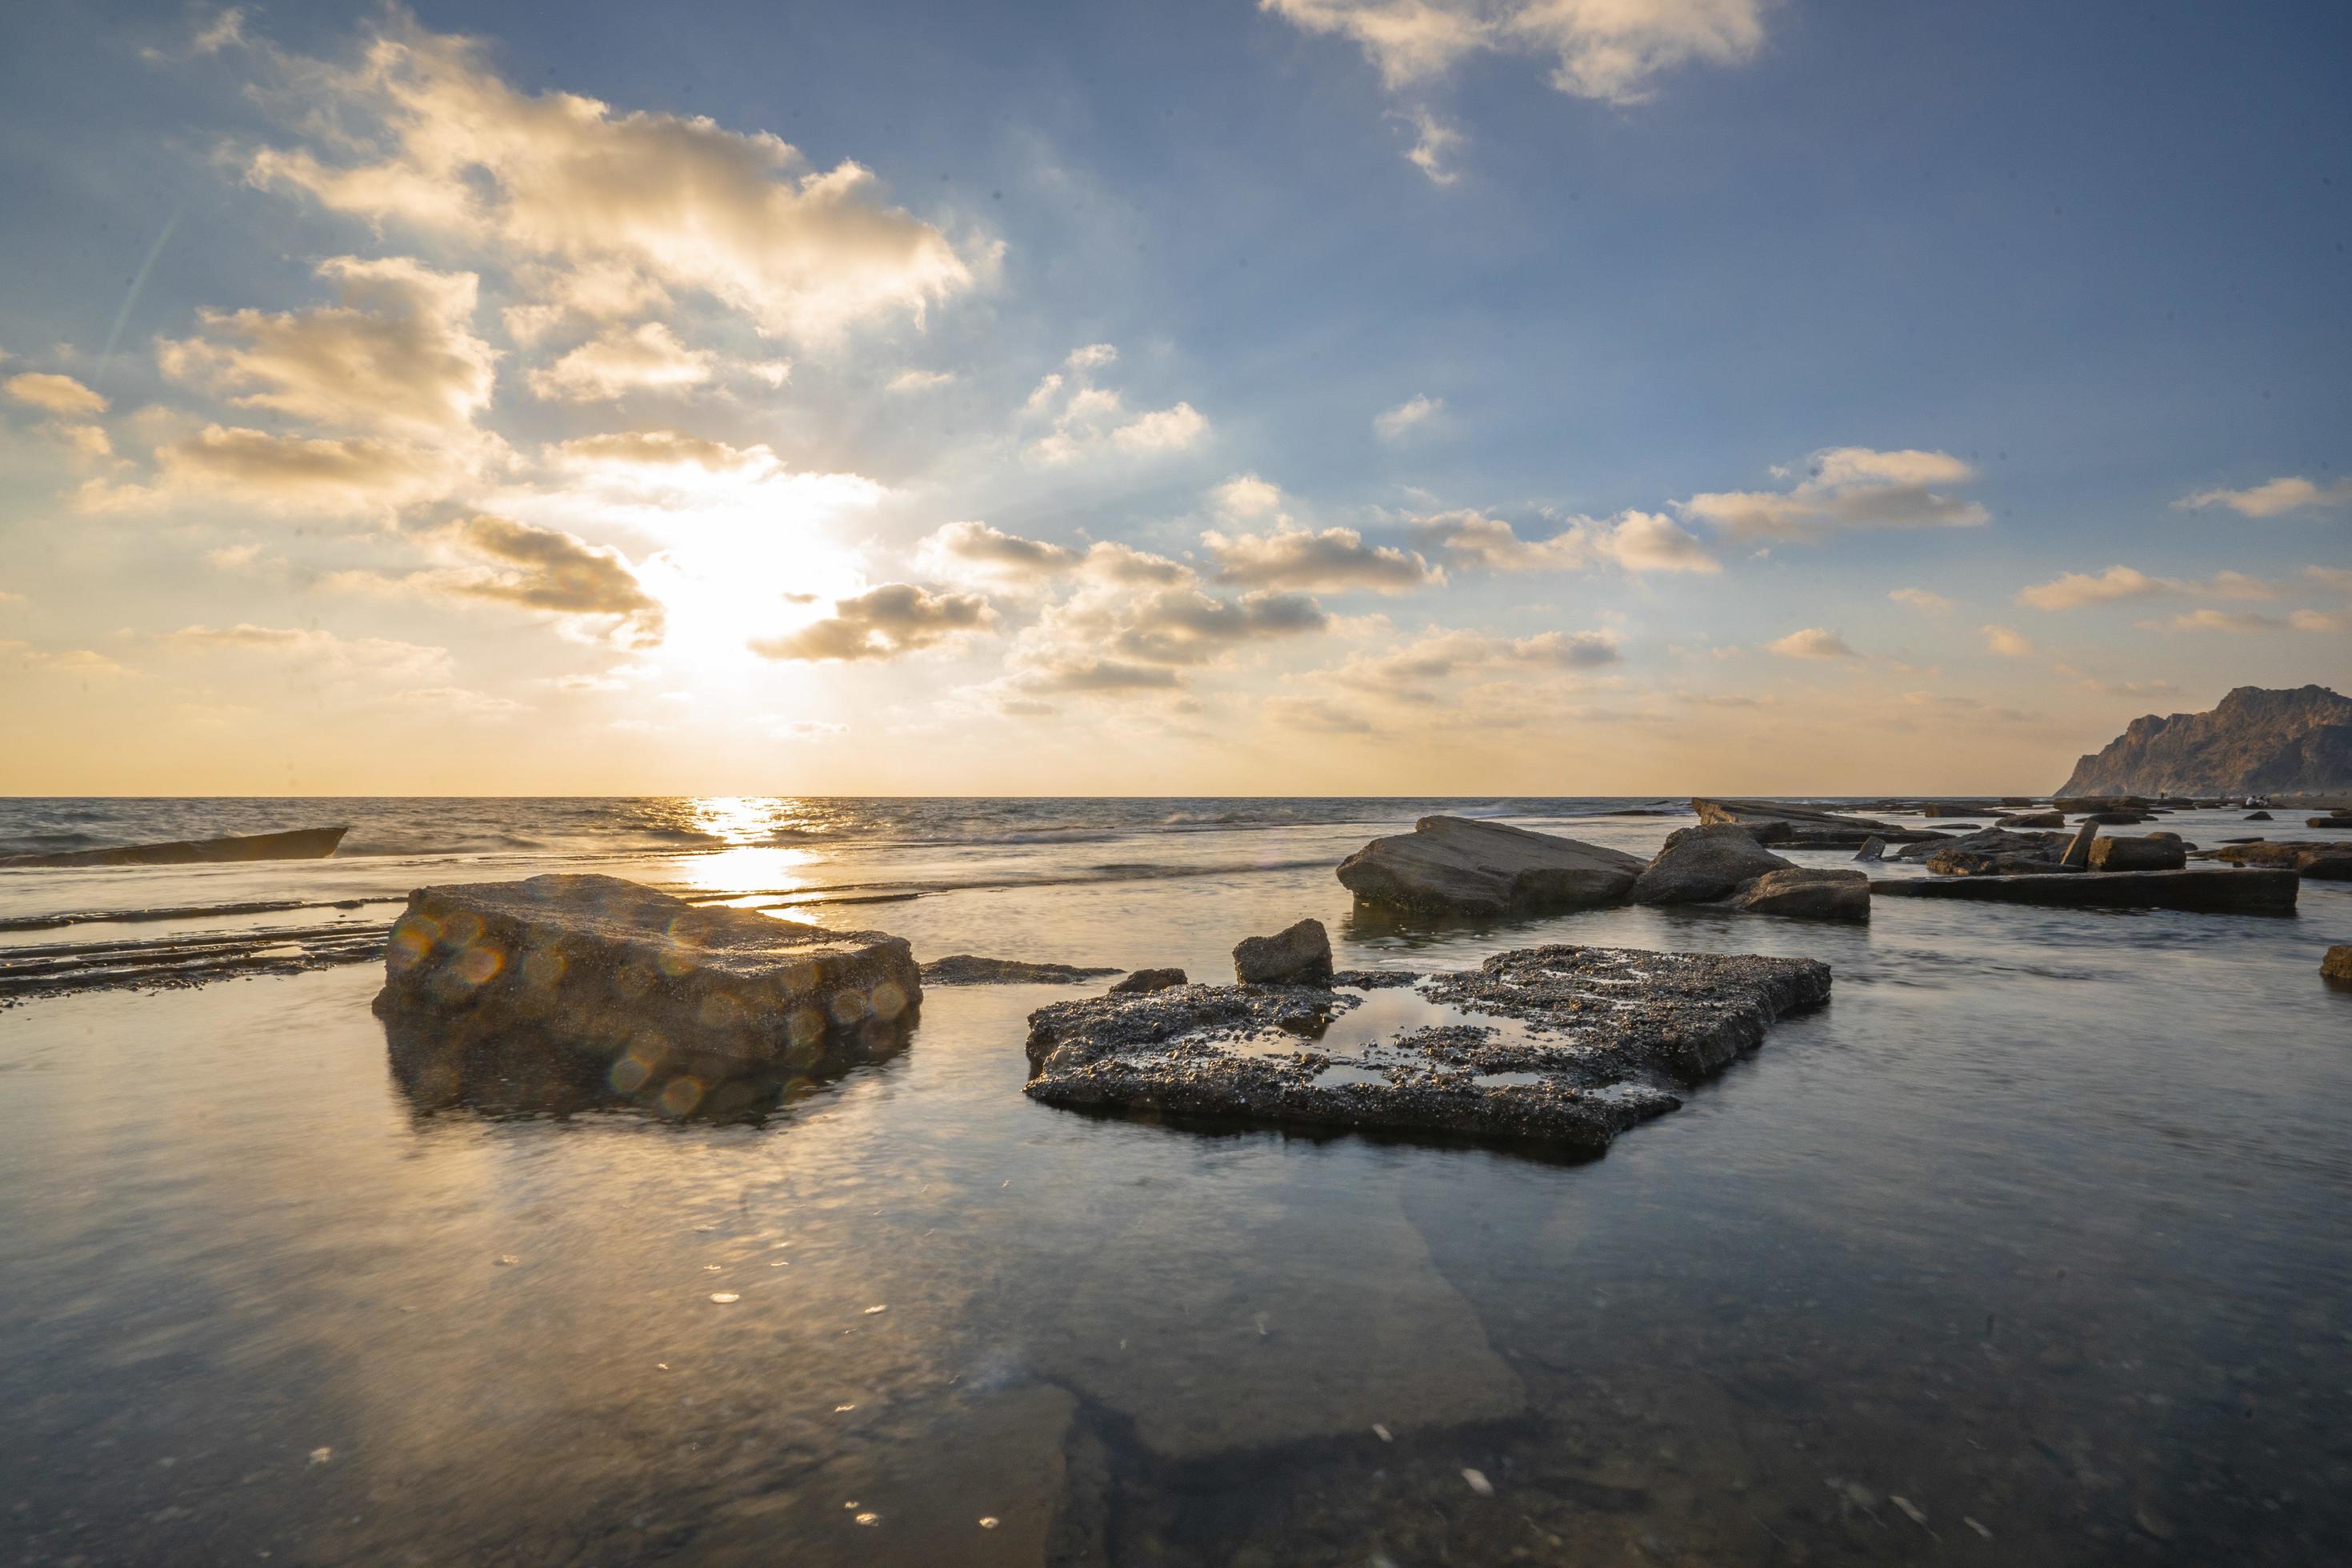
pixel 1250 397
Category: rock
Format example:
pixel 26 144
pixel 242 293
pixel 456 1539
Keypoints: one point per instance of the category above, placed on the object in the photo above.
pixel 2327 822
pixel 1953 808
pixel 2150 854
pixel 1299 956
pixel 2204 888
pixel 1702 863
pixel 618 966
pixel 963 969
pixel 1566 1046
pixel 297 843
pixel 1454 865
pixel 2327 861
pixel 2033 819
pixel 1802 826
pixel 2115 818
pixel 1148 980
pixel 1981 863
pixel 2255 741
pixel 2258 817
pixel 2337 964
pixel 1872 849
pixel 2098 803
pixel 2078 850
pixel 2049 846
pixel 1808 893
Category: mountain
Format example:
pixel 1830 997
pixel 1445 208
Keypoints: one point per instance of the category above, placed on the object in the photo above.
pixel 2255 741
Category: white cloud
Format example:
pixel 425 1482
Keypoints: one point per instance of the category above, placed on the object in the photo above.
pixel 2072 590
pixel 908 381
pixel 2210 620
pixel 880 624
pixel 341 477
pixel 1333 560
pixel 501 560
pixel 975 547
pixel 398 354
pixel 2274 498
pixel 645 358
pixel 1921 599
pixel 319 655
pixel 1161 430
pixel 1606 50
pixel 2331 576
pixel 1413 414
pixel 432 139
pixel 60 394
pixel 1435 144
pixel 1087 418
pixel 1633 541
pixel 1246 496
pixel 2007 641
pixel 1847 487
pixel 1813 642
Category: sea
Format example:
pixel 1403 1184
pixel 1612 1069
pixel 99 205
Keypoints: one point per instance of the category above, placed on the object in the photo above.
pixel 2033 1246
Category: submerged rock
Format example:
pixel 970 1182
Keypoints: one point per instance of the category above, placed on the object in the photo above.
pixel 1297 955
pixel 964 969
pixel 1564 1044
pixel 2321 861
pixel 615 966
pixel 1698 864
pixel 1805 892
pixel 2337 964
pixel 296 844
pixel 1456 864
pixel 1148 980
pixel 2149 854
pixel 2204 888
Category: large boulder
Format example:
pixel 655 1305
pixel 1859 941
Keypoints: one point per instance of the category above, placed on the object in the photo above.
pixel 1806 892
pixel 2149 854
pixel 1299 956
pixel 1455 865
pixel 614 965
pixel 1702 863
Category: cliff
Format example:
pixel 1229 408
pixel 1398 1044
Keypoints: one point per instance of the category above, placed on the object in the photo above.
pixel 2253 741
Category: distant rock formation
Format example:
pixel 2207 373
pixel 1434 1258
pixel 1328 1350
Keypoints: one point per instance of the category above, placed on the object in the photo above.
pixel 2253 741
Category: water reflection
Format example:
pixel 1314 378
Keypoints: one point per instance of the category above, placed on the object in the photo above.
pixel 506 1071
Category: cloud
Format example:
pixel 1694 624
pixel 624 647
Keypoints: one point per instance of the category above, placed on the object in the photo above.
pixel 1813 642
pixel 501 560
pixel 1605 49
pixel 1442 655
pixel 334 476
pixel 2274 498
pixel 1433 145
pixel 992 553
pixel 1633 541
pixel 459 701
pixel 1087 418
pixel 882 623
pixel 2218 621
pixel 430 138
pixel 908 381
pixel 1247 496
pixel 1921 599
pixel 321 653
pixel 2072 590
pixel 2007 641
pixel 60 394
pixel 644 358
pixel 2331 576
pixel 1138 622
pixel 1413 414
pixel 1847 487
pixel 397 355
pixel 79 662
pixel 1332 561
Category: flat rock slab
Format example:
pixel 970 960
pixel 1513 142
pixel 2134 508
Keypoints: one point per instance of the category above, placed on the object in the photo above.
pixel 615 966
pixel 1564 1046
pixel 2202 888
pixel 965 969
pixel 296 844
pixel 1458 865
pixel 2327 860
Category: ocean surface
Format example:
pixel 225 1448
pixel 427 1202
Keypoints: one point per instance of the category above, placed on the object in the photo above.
pixel 2033 1246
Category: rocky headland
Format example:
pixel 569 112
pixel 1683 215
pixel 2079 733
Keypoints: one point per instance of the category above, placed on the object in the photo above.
pixel 2255 741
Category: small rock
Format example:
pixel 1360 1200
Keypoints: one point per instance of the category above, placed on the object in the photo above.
pixel 1144 980
pixel 1300 955
pixel 2337 964
pixel 1478 1482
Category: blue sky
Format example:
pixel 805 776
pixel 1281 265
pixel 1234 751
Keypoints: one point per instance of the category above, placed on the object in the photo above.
pixel 1584 453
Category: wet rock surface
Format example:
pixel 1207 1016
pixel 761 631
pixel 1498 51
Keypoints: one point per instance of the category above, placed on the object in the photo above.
pixel 620 967
pixel 296 844
pixel 2152 853
pixel 2322 860
pixel 1296 955
pixel 965 969
pixel 1564 1046
pixel 1147 980
pixel 1808 893
pixel 1457 865
pixel 2337 964
pixel 1803 826
pixel 1703 863
pixel 2199 889
pixel 1995 841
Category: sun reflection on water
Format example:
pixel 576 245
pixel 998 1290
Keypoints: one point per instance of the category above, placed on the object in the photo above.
pixel 751 860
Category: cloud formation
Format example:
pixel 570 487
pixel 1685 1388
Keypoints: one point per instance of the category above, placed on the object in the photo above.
pixel 1413 414
pixel 1606 50
pixel 341 477
pixel 880 624
pixel 1331 561
pixel 1847 487
pixel 1632 541
pixel 2072 590
pixel 60 395
pixel 1921 599
pixel 397 354
pixel 433 140
pixel 1813 642
pixel 647 358
pixel 2007 641
pixel 2274 498
pixel 1087 419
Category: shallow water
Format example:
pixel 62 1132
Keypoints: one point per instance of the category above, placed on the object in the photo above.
pixel 2039 1225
